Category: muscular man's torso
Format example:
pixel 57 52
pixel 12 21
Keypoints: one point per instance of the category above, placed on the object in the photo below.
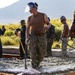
pixel 37 23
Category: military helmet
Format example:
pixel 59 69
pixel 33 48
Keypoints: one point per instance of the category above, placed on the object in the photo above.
pixel 62 18
pixel 31 5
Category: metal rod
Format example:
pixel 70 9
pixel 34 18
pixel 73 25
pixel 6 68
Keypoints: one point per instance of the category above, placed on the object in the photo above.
pixel 24 54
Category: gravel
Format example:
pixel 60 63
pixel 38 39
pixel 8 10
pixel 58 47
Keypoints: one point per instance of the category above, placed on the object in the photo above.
pixel 50 64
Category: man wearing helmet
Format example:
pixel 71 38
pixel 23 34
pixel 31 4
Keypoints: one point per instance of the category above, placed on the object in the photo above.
pixel 37 23
pixel 50 34
pixel 64 35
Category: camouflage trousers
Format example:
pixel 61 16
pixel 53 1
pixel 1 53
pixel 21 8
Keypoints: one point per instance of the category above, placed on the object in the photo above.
pixel 64 46
pixel 37 48
pixel 49 46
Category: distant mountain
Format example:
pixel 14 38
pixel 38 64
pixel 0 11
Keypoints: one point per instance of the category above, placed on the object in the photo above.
pixel 13 13
pixel 53 9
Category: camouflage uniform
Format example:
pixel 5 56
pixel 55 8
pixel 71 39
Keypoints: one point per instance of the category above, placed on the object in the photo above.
pixel 38 48
pixel 50 34
pixel 64 35
pixel 38 40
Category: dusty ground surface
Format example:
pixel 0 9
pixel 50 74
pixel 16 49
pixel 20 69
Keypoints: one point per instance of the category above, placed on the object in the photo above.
pixel 49 65
pixel 5 73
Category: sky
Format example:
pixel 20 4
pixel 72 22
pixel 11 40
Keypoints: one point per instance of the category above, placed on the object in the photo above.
pixel 53 8
pixel 56 8
pixel 5 3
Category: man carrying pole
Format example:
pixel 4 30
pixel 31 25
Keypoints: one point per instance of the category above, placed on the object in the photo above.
pixel 21 33
pixel 50 34
pixel 23 46
pixel 64 36
pixel 38 42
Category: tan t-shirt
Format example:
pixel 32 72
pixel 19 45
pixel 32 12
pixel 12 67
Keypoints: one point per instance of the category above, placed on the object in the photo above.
pixel 37 23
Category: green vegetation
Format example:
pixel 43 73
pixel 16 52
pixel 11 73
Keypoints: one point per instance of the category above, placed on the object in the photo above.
pixel 9 38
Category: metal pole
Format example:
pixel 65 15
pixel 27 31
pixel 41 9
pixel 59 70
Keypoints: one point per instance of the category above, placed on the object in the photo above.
pixel 24 54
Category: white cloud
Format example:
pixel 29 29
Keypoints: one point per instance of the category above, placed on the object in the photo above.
pixel 5 3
